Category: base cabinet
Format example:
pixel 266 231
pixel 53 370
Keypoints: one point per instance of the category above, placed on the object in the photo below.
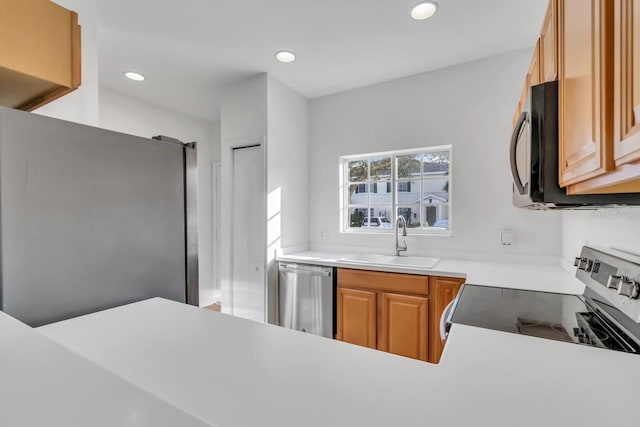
pixel 396 313
pixel 357 317
pixel 405 325
pixel 445 290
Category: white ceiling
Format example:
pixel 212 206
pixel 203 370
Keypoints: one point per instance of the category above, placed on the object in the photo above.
pixel 191 49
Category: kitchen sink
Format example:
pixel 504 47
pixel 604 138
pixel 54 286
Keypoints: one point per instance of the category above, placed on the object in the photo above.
pixel 369 258
pixel 414 261
pixel 400 261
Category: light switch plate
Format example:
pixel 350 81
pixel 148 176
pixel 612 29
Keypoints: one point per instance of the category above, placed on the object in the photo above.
pixel 324 234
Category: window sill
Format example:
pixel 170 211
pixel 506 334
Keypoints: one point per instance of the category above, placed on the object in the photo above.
pixel 444 233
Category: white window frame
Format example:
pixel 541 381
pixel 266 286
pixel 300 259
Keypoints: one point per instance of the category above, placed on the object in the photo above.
pixel 344 193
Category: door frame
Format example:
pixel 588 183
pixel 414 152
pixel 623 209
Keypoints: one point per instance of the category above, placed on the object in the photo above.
pixel 236 145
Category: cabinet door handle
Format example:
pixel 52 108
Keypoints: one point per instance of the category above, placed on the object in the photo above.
pixel 512 151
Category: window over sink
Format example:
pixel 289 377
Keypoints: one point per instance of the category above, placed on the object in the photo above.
pixel 377 188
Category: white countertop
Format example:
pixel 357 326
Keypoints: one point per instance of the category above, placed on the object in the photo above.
pixel 44 384
pixel 236 372
pixel 540 277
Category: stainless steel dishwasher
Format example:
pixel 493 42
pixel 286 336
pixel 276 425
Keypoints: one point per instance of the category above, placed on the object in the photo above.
pixel 306 298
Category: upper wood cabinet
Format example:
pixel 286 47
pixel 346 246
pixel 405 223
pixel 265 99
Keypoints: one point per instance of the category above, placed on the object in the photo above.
pixel 585 73
pixel 533 74
pixel 548 44
pixel 627 82
pixel 39 53
pixel 532 78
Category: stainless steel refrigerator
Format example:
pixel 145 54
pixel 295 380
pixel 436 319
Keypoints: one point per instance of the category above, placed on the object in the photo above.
pixel 91 219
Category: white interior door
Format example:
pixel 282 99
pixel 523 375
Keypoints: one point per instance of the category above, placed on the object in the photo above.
pixel 248 234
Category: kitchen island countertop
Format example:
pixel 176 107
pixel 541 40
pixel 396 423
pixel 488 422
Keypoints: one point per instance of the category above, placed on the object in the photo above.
pixel 235 372
pixel 44 384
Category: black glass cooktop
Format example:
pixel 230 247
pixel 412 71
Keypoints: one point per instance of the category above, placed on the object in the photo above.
pixel 540 314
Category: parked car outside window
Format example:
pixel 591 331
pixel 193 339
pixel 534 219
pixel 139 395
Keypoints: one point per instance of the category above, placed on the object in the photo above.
pixel 376 222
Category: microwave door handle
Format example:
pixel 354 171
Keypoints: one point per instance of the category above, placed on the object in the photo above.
pixel 512 151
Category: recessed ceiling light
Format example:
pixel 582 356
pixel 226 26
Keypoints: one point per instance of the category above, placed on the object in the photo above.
pixel 424 10
pixel 285 56
pixel 132 75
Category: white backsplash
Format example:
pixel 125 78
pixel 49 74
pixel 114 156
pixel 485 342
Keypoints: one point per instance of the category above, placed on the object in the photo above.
pixel 617 228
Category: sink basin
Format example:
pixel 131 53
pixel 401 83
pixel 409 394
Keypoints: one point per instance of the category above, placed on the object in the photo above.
pixel 414 261
pixel 401 261
pixel 369 258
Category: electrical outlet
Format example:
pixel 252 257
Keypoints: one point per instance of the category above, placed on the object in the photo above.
pixel 507 237
pixel 324 234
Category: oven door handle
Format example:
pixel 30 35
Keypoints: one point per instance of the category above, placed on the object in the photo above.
pixel 443 320
pixel 517 130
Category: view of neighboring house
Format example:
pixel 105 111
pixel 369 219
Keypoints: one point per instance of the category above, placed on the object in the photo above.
pixel 422 192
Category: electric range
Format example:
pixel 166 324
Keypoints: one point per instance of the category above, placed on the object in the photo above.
pixel 607 315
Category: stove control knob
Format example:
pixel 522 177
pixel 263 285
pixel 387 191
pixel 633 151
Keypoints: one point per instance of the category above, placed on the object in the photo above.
pixel 589 266
pixel 629 288
pixel 576 262
pixel 582 265
pixel 614 282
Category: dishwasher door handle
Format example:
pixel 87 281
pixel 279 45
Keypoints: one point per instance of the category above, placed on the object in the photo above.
pixel 305 272
pixel 444 318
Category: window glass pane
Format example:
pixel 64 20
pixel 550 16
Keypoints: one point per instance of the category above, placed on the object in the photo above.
pixel 436 163
pixel 357 216
pixel 421 195
pixel 408 166
pixel 380 218
pixel 435 190
pixel 408 192
pixel 379 193
pixel 380 168
pixel 436 217
pixel 358 194
pixel 357 170
pixel 411 214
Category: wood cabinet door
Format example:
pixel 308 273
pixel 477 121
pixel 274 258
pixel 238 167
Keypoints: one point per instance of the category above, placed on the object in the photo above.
pixel 404 325
pixel 444 290
pixel 40 55
pixel 585 31
pixel 533 74
pixel 548 45
pixel 627 82
pixel 356 317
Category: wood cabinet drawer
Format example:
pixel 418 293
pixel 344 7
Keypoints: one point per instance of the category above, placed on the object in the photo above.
pixel 392 282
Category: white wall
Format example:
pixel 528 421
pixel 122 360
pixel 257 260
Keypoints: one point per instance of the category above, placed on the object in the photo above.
pixel 615 228
pixel 287 177
pixel 81 105
pixel 469 106
pixel 130 115
pixel 288 163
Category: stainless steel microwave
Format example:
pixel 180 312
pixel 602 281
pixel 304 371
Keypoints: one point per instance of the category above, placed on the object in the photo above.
pixel 534 159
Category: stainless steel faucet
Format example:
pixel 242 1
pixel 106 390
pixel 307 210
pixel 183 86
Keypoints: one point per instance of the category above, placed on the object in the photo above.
pixel 399 247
